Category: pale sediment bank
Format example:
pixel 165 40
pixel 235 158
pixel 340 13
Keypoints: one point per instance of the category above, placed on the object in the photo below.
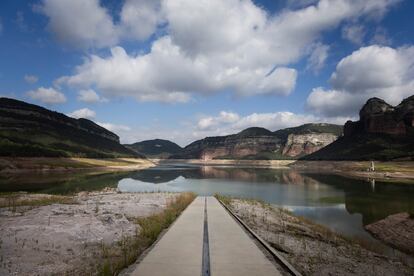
pixel 311 248
pixel 70 235
pixel 228 162
pixel 17 165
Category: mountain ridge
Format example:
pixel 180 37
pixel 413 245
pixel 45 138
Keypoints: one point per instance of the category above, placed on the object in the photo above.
pixel 29 130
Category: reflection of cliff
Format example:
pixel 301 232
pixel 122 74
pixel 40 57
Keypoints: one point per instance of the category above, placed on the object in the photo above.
pixel 372 201
pixel 156 176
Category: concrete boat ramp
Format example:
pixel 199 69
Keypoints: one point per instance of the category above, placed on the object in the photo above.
pixel 206 240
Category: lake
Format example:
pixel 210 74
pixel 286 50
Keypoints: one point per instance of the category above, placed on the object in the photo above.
pixel 342 204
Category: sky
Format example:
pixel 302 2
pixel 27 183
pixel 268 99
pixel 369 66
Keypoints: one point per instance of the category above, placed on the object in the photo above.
pixel 183 69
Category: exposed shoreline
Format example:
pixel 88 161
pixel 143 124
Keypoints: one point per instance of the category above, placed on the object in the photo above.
pixel 17 165
pixel 311 248
pixel 86 234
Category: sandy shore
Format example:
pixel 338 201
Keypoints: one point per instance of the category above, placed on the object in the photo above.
pixel 18 165
pixel 69 239
pixel 311 248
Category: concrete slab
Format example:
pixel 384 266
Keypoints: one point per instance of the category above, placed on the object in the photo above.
pixel 179 252
pixel 232 251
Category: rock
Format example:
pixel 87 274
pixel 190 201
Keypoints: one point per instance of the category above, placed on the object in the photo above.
pixel 303 144
pixel 260 143
pixel 377 116
pixel 396 230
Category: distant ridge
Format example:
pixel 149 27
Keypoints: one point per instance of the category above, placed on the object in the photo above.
pixel 262 144
pixel 383 132
pixel 31 130
pixel 156 148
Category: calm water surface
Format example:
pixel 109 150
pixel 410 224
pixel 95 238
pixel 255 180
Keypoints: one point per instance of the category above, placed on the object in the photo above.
pixel 342 204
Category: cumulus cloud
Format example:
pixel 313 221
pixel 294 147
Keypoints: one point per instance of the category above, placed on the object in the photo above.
pixel 79 23
pixel 83 113
pixel 30 79
pixel 93 26
pixel 212 46
pixel 47 95
pixel 90 96
pixel 140 18
pixel 373 71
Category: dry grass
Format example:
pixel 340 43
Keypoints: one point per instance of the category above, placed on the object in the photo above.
pixel 13 200
pixel 118 256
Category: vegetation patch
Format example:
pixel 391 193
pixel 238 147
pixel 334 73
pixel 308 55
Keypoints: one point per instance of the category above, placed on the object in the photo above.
pixel 14 200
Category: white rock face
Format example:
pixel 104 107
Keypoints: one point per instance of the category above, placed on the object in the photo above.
pixel 300 144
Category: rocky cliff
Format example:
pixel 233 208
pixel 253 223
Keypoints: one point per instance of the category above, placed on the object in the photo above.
pixel 260 143
pixel 383 132
pixel 303 144
pixel 31 130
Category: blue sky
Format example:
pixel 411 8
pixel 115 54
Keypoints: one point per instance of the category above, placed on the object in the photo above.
pixel 183 69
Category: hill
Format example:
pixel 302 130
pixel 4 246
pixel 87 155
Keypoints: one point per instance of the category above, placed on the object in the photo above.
pixel 262 144
pixel 29 130
pixel 157 148
pixel 384 132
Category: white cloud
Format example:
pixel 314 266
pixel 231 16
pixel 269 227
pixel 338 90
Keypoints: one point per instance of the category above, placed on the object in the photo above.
pixel 80 23
pixel 83 113
pixel 31 79
pixel 354 33
pixel 317 59
pixel 215 45
pixel 140 18
pixel 47 95
pixel 372 71
pixel 90 96
pixel 114 127
pixel 85 24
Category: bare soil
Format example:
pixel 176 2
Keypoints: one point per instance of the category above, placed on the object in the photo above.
pixel 68 239
pixel 311 248
pixel 396 230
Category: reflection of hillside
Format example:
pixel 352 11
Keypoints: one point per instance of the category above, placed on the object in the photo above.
pixel 372 201
pixel 60 183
